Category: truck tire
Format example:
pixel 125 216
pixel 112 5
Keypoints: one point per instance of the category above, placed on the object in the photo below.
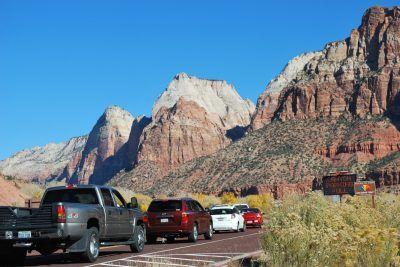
pixel 139 239
pixel 194 235
pixel 209 234
pixel 92 245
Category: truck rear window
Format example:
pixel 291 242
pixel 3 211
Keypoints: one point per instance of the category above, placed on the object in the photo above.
pixel 76 195
pixel 167 205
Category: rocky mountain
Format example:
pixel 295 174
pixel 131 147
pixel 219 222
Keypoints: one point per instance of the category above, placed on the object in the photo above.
pixel 41 163
pixel 359 75
pixel 192 118
pixel 105 151
pixel 328 110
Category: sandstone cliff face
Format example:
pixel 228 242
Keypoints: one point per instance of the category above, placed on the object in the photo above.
pixel 105 151
pixel 41 163
pixel 10 195
pixel 192 118
pixel 179 134
pixel 359 75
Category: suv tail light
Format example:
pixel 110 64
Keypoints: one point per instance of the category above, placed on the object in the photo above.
pixel 61 214
pixel 145 218
pixel 185 218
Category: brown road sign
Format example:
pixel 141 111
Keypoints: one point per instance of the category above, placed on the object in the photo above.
pixel 339 184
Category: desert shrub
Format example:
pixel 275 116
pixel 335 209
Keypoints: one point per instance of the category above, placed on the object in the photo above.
pixel 263 201
pixel 144 201
pixel 206 200
pixel 228 198
pixel 312 231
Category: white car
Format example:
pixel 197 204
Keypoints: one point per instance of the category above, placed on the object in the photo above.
pixel 227 218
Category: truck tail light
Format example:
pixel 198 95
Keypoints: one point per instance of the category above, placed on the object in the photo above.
pixel 185 218
pixel 61 214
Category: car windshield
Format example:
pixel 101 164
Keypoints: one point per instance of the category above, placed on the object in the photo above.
pixel 251 210
pixel 76 195
pixel 222 211
pixel 165 205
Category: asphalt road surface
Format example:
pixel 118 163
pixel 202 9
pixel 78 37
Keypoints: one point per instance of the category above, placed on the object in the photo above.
pixel 222 247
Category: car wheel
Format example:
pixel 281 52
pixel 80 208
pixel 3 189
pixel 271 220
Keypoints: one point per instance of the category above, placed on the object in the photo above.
pixel 92 245
pixel 151 239
pixel 244 228
pixel 209 234
pixel 194 235
pixel 170 239
pixel 237 228
pixel 139 239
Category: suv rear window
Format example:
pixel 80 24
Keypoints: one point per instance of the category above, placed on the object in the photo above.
pixel 77 195
pixel 167 205
pixel 222 211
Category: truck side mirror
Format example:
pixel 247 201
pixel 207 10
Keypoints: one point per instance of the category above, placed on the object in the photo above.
pixel 134 203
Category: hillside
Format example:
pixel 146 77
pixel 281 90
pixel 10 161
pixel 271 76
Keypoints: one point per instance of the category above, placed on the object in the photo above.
pixel 279 157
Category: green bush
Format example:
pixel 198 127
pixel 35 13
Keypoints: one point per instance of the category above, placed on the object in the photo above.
pixel 312 231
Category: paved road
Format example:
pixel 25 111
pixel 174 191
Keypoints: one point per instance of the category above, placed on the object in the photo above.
pixel 180 253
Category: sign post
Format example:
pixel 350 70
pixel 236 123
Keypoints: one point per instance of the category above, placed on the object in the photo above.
pixel 363 188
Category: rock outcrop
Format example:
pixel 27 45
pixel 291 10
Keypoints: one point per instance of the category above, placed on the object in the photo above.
pixel 192 118
pixel 360 76
pixel 10 194
pixel 42 163
pixel 105 150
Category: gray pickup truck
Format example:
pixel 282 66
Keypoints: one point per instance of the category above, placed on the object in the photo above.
pixel 76 219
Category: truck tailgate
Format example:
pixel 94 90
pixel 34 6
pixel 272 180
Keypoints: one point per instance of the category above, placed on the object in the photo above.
pixel 41 218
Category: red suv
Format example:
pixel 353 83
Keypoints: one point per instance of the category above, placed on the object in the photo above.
pixel 171 218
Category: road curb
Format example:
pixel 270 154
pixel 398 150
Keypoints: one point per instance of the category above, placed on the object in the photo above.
pixel 237 258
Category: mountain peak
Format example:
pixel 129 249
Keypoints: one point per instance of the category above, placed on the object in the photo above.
pixel 216 97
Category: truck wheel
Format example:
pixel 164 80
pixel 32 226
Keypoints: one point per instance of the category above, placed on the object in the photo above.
pixel 139 240
pixel 209 234
pixel 194 235
pixel 92 245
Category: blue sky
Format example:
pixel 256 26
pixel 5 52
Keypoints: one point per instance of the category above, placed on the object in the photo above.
pixel 63 62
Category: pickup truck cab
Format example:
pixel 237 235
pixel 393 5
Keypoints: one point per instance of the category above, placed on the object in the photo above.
pixel 77 219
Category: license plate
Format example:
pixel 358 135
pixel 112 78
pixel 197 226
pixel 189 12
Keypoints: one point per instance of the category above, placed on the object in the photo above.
pixel 249 221
pixel 164 220
pixel 24 234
